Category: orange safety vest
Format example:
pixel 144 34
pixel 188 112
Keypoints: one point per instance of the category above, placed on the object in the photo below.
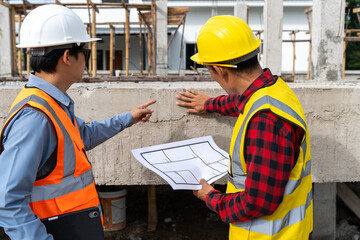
pixel 70 187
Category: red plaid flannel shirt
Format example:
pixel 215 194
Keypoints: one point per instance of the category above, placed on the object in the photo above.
pixel 272 147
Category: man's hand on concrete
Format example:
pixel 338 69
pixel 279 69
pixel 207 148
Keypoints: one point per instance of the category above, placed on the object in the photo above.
pixel 193 100
pixel 141 112
pixel 205 189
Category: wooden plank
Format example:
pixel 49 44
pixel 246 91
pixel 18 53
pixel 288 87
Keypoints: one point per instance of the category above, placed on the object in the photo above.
pixel 153 60
pixel 112 50
pixel 300 40
pixel 127 41
pixel 152 209
pixel 140 48
pixel 28 62
pixel 149 51
pixel 194 78
pixel 356 10
pixel 177 10
pixel 13 41
pixel 93 46
pixel 310 46
pixel 19 50
pixel 307 10
pixel 89 46
pixel 349 198
pixel 352 39
pixel 344 57
pixel 173 35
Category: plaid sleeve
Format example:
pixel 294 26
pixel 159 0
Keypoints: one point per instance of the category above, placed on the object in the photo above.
pixel 224 104
pixel 271 146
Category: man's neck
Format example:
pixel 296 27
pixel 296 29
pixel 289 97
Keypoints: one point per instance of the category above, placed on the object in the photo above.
pixel 54 79
pixel 246 79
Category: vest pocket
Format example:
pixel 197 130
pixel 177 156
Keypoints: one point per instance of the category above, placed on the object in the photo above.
pixel 76 200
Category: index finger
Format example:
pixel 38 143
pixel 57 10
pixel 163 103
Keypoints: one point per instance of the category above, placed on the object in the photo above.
pixel 145 105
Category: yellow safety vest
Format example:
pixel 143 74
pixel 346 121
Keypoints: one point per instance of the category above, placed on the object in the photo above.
pixel 294 217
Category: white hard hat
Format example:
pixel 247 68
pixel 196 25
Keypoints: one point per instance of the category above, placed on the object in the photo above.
pixel 52 25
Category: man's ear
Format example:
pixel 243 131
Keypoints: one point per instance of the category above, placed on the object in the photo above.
pixel 65 58
pixel 222 71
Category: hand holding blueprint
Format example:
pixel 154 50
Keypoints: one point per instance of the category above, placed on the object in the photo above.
pixel 182 164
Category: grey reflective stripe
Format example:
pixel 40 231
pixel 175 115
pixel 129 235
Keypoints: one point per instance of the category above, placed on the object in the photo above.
pixel 69 150
pixel 295 215
pixel 100 210
pixel 238 181
pixel 293 184
pixel 236 164
pixel 68 185
pixel 17 106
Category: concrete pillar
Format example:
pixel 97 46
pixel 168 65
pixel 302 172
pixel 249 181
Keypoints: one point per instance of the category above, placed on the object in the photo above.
pixel 5 42
pixel 324 211
pixel 273 24
pixel 327 40
pixel 161 38
pixel 240 10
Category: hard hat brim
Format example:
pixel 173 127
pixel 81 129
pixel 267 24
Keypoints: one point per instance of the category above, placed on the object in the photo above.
pixel 55 44
pixel 196 59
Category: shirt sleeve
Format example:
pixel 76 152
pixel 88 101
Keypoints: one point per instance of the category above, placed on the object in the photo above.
pixel 28 142
pixel 224 105
pixel 271 146
pixel 96 133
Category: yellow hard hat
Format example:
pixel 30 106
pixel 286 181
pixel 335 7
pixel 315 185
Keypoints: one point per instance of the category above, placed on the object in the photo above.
pixel 224 38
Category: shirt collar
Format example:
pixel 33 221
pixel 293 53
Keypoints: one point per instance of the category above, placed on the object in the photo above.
pixel 50 89
pixel 265 79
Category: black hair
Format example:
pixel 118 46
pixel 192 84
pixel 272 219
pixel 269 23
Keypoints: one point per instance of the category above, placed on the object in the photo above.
pixel 48 62
pixel 247 66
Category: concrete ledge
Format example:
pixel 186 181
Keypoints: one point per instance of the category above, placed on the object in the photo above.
pixel 332 111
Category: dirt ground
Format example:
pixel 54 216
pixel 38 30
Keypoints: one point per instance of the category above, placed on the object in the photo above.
pixel 181 216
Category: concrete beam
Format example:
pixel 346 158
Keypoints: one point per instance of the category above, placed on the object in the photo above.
pixel 240 10
pixel 327 40
pixel 273 24
pixel 324 211
pixel 161 38
pixel 5 42
pixel 332 110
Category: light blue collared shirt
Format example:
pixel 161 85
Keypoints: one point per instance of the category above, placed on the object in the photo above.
pixel 29 140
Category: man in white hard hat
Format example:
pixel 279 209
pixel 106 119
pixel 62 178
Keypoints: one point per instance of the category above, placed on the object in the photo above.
pixel 269 189
pixel 47 190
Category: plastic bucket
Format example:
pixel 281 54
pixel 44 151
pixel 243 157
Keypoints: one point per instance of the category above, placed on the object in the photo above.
pixel 114 207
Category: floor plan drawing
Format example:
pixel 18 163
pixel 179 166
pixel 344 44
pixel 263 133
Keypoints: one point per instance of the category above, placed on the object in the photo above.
pixel 182 164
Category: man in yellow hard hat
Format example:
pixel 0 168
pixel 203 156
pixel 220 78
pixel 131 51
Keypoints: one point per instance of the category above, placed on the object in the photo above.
pixel 269 189
pixel 47 189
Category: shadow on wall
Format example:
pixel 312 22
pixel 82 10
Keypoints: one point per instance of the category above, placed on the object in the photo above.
pixel 224 124
pixel 332 161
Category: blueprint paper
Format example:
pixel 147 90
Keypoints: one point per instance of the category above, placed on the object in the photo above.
pixel 182 164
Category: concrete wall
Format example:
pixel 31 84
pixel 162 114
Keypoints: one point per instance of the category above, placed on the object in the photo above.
pixel 5 42
pixel 332 111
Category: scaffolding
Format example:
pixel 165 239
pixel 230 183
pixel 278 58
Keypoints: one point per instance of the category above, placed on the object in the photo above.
pixel 147 17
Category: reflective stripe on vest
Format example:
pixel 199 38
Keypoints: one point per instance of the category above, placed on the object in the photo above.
pixel 294 216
